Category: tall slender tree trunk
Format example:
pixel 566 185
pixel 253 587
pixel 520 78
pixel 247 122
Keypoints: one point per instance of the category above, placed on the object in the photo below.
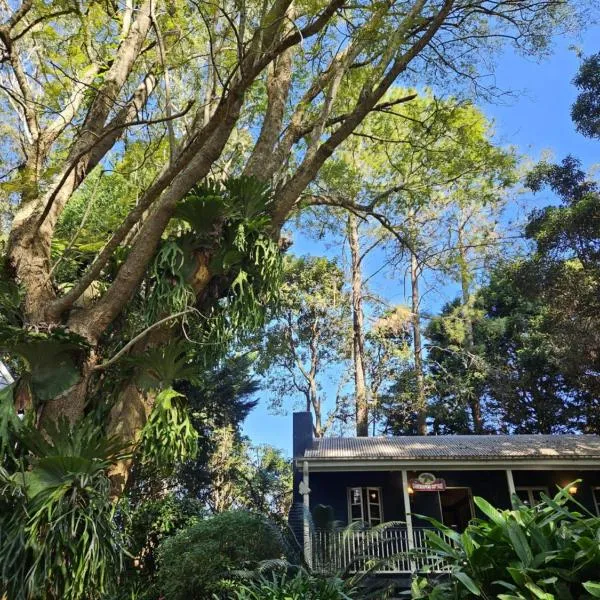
pixel 415 272
pixel 358 338
pixel 465 281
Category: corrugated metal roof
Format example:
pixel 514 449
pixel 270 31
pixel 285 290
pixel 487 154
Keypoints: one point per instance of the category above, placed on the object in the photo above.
pixel 457 447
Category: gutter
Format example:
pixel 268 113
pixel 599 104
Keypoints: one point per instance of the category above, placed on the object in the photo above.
pixel 516 464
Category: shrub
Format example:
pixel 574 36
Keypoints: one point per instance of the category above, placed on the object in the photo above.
pixel 299 586
pixel 196 562
pixel 550 551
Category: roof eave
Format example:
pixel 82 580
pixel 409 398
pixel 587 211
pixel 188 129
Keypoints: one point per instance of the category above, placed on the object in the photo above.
pixel 387 464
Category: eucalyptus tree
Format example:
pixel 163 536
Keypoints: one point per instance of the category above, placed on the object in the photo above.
pixel 264 89
pixel 309 338
pixel 434 183
pixel 359 357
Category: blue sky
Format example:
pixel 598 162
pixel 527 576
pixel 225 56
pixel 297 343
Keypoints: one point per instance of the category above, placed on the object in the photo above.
pixel 536 119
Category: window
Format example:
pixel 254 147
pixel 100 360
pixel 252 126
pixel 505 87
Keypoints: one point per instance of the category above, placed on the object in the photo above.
pixel 531 495
pixel 355 505
pixel 596 494
pixel 364 505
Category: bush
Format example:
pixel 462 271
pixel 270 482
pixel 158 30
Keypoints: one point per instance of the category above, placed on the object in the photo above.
pixel 550 551
pixel 196 562
pixel 299 586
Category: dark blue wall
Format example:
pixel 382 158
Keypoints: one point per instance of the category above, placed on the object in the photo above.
pixel 559 479
pixel 331 489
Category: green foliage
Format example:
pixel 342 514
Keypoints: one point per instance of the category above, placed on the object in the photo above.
pixel 160 367
pixel 248 257
pixel 547 552
pixel 168 436
pixel 457 366
pixel 171 293
pixel 147 525
pixel 51 360
pixel 10 303
pixel 9 420
pixel 585 112
pixel 58 536
pixel 309 333
pixel 230 223
pixel 300 585
pixel 200 560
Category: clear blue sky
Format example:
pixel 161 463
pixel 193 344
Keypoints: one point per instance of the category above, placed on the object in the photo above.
pixel 536 119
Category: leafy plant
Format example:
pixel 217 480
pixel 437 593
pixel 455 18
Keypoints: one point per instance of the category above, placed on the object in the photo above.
pixel 161 366
pixel 546 552
pixel 58 538
pixel 233 220
pixel 50 359
pixel 171 292
pixel 168 435
pixel 298 585
pixel 200 560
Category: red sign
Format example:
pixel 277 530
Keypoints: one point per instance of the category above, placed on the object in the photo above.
pixel 439 485
pixel 427 482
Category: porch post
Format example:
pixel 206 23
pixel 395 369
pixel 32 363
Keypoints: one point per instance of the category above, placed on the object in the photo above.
pixel 408 517
pixel 305 491
pixel 511 483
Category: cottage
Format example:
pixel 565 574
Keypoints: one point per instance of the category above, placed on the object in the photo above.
pixel 381 479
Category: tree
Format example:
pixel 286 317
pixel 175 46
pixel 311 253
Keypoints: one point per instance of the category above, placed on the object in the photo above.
pixel 435 184
pixel 84 86
pixel 457 368
pixel 585 112
pixel 525 381
pixel 358 335
pixel 310 335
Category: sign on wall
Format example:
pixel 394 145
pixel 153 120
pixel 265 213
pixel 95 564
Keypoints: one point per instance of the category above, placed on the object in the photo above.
pixel 428 482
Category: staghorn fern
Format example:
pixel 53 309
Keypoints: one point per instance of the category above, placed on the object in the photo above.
pixel 168 437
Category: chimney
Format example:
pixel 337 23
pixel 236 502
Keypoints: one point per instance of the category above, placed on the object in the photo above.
pixel 302 433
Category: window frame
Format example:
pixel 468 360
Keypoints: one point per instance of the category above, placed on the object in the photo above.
pixel 379 504
pixel 365 504
pixel 351 519
pixel 530 489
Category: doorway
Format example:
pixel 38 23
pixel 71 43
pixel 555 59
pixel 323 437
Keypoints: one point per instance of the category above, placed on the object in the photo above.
pixel 456 506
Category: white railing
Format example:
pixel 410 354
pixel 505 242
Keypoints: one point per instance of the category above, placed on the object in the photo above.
pixel 383 551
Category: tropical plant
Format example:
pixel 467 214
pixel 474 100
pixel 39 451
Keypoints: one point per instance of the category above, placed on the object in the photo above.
pixel 200 560
pixel 548 552
pixel 58 537
pixel 297 585
pixel 168 436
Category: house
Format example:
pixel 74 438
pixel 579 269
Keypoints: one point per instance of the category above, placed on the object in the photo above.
pixel 381 479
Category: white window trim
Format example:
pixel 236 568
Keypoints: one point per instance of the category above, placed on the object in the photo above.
pixel 530 489
pixel 364 496
pixel 350 505
pixel 380 503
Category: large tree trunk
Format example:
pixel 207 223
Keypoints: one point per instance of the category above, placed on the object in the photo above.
pixel 358 336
